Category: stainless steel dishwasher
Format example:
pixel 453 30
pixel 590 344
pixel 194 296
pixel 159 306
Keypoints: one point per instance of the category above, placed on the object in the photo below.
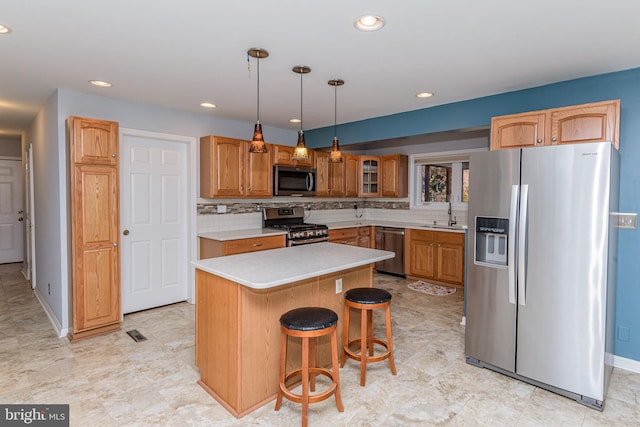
pixel 391 239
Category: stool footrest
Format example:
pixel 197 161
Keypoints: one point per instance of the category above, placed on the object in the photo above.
pixel 376 358
pixel 313 398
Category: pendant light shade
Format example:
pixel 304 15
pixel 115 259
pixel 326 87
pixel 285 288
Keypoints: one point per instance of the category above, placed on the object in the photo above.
pixel 336 155
pixel 257 143
pixel 301 152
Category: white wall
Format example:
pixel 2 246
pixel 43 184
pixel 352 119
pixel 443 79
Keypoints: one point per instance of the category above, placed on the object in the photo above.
pixel 51 176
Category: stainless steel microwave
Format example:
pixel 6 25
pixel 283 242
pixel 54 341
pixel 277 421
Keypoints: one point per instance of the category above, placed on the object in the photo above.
pixel 294 181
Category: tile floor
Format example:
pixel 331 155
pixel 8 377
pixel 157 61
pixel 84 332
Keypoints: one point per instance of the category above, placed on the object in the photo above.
pixel 113 381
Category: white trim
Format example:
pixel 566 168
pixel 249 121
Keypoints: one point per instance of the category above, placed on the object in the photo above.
pixel 192 169
pixel 626 364
pixel 52 317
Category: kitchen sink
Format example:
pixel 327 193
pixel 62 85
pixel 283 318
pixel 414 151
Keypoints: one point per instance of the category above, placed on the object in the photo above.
pixel 445 227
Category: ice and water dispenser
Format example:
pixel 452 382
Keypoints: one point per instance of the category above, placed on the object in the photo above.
pixel 492 235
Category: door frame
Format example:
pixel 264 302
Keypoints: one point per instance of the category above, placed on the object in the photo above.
pixel 192 241
pixel 29 269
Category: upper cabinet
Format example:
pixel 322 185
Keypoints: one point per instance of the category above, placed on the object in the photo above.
pixel 227 169
pixel 369 168
pixel 394 175
pixel 282 155
pixel 383 176
pixel 350 175
pixel 95 142
pixel 330 177
pixel 595 122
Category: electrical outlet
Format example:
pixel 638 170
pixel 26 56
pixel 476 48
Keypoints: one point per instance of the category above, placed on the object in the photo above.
pixel 340 205
pixel 221 209
pixel 627 220
pixel 338 285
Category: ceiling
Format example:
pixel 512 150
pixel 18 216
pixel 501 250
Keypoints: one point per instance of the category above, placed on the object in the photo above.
pixel 178 54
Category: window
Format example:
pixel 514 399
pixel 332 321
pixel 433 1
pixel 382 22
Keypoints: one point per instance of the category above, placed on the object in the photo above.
pixel 440 178
pixel 443 182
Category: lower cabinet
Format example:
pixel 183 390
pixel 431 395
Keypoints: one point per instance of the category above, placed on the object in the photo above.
pixel 437 255
pixel 354 236
pixel 345 236
pixel 210 248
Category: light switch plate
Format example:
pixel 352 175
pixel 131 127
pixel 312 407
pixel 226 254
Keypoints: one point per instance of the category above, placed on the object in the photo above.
pixel 221 209
pixel 627 220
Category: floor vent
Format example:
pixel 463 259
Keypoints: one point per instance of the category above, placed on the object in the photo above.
pixel 137 336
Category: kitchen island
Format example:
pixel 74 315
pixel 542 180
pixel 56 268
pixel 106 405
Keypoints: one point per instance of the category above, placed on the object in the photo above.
pixel 239 301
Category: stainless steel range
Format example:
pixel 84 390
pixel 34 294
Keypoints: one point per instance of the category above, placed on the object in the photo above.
pixel 291 220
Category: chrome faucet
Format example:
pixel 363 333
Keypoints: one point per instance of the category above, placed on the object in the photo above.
pixel 451 221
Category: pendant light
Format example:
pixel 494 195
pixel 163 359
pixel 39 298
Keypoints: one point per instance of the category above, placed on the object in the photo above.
pixel 336 155
pixel 301 152
pixel 257 143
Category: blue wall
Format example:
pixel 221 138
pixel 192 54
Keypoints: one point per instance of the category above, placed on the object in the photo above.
pixel 623 85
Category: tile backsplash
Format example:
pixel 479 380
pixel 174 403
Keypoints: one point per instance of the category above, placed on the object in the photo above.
pixel 247 213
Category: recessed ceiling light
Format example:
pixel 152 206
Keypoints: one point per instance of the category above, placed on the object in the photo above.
pixel 100 83
pixel 4 29
pixel 294 120
pixel 208 105
pixel 369 23
pixel 424 95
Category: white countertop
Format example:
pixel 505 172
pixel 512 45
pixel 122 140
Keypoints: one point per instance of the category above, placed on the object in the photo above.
pixel 241 234
pixel 379 223
pixel 275 267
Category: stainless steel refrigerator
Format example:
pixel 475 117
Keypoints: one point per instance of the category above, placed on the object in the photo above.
pixel 542 264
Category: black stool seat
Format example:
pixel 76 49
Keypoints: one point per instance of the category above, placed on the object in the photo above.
pixel 367 295
pixel 309 318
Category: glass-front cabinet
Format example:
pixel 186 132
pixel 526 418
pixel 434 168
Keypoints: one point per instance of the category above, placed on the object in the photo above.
pixel 369 176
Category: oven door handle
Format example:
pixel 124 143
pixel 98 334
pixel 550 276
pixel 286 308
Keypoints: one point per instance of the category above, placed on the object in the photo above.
pixel 306 241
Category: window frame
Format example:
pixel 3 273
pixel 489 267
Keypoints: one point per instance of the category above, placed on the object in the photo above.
pixel 417 160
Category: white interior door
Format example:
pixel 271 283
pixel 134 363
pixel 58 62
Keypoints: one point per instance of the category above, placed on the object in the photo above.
pixel 153 218
pixel 11 218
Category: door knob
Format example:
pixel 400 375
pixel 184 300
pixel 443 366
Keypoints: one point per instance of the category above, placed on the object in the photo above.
pixel 125 232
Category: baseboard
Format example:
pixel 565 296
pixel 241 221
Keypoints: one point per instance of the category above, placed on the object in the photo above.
pixel 626 364
pixel 52 318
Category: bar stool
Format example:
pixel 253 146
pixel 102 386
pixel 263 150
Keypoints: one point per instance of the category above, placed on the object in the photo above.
pixel 366 300
pixel 306 323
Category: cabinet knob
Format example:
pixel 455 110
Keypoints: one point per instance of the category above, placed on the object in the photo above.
pixel 554 139
pixel 113 155
pixel 115 244
pixel 256 245
pixel 430 244
pixel 539 140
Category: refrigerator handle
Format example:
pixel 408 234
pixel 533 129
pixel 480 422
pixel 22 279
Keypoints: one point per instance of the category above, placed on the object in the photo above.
pixel 511 244
pixel 522 241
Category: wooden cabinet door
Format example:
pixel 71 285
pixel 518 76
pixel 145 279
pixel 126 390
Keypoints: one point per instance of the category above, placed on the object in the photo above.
pixel 259 173
pixel 450 257
pixel 594 122
pixel 94 141
pixel 519 130
pixel 394 175
pixel 222 162
pixel 95 240
pixel 282 156
pixel 322 174
pixel 449 263
pixel 421 253
pixel 337 179
pixel 350 175
pixel 369 174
